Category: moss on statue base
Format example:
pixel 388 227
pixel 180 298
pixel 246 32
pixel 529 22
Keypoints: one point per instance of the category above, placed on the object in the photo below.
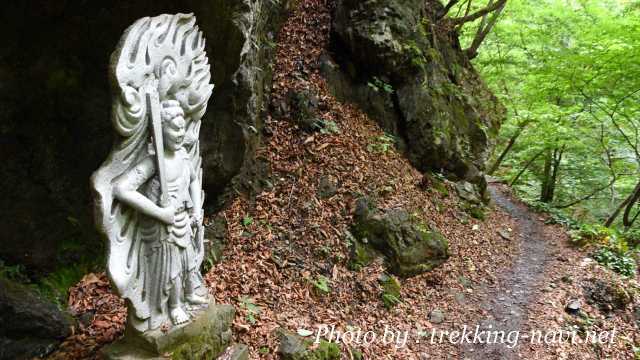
pixel 206 336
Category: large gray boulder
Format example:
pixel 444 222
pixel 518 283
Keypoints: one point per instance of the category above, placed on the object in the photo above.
pixel 55 124
pixel 410 75
pixel 31 325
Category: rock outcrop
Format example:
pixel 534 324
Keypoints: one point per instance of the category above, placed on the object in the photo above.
pixel 408 246
pixel 294 347
pixel 55 120
pixel 31 326
pixel 408 72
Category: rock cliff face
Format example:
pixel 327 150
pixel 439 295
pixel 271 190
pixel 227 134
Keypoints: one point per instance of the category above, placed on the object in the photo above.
pixel 407 71
pixel 55 125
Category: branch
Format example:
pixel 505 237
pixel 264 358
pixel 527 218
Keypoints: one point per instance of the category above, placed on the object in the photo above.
pixel 526 166
pixel 446 9
pixel 479 13
pixel 510 144
pixel 594 193
pixel 483 30
pixel 611 115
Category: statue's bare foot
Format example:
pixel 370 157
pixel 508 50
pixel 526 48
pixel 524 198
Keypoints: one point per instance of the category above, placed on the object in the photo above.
pixel 178 316
pixel 194 299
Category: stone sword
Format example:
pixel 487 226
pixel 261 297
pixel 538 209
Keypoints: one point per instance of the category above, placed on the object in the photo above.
pixel 153 104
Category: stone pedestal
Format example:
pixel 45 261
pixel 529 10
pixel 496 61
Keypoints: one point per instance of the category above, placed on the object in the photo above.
pixel 206 336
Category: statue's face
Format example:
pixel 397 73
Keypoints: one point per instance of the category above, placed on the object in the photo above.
pixel 173 132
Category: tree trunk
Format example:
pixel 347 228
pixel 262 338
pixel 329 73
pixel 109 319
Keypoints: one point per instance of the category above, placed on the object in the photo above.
pixel 504 152
pixel 551 168
pixel 627 211
pixel 557 159
pixel 544 189
pixel 622 205
pixel 526 166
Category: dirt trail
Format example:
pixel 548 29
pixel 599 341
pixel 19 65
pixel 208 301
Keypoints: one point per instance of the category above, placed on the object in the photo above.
pixel 507 301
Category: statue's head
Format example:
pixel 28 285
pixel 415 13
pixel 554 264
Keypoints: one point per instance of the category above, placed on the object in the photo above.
pixel 173 125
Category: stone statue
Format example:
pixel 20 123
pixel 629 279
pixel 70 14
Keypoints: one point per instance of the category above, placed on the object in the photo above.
pixel 149 190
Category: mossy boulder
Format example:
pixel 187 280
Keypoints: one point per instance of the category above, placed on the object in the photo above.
pixel 468 192
pixel 294 347
pixel 31 325
pixel 477 211
pixel 408 246
pixel 434 183
pixel 235 352
pixel 608 295
pixel 303 105
pixel 438 105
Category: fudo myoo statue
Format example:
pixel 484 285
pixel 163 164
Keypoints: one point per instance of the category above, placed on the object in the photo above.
pixel 149 190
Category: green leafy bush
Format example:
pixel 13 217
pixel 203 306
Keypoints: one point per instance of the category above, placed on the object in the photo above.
pixel 632 237
pixel 556 216
pixel 622 263
pixel 593 234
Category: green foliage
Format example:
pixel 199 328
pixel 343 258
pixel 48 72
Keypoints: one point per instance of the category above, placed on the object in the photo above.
pixel 16 273
pixel 613 248
pixel 382 143
pixel 390 291
pixel 556 216
pixel 321 284
pixel 379 85
pixel 247 220
pixel 476 211
pixel 213 255
pixel 415 53
pixel 55 285
pixel 632 236
pixel 329 127
pixel 568 73
pixel 622 263
pixel 592 234
pixel 251 308
pixel 326 351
